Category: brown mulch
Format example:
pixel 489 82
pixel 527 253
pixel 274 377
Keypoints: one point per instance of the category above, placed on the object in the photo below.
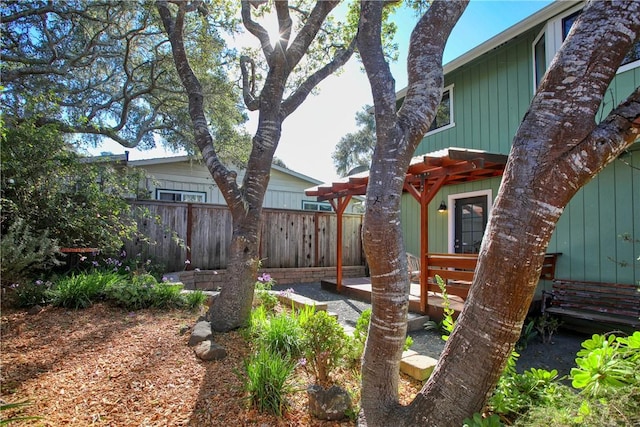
pixel 106 366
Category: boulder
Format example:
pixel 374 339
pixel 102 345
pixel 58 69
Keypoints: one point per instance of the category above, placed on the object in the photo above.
pixel 201 332
pixel 208 350
pixel 328 404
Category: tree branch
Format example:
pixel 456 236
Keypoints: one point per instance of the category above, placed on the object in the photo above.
pixel 284 24
pixel 305 37
pixel 257 30
pixel 290 104
pixel 424 66
pixel 249 83
pixel 224 178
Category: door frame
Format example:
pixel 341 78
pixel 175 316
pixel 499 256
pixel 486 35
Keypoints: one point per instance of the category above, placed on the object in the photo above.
pixel 451 199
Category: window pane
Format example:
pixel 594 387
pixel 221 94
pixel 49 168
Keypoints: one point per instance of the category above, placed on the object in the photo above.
pixel 567 23
pixel 443 115
pixel 171 197
pixel 633 55
pixel 540 58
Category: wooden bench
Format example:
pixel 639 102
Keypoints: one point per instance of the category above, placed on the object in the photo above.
pixel 600 302
pixel 457 270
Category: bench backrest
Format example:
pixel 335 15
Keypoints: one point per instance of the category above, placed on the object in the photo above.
pixel 607 298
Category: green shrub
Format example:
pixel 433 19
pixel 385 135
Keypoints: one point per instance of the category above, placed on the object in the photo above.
pixel 606 363
pixel 23 252
pixel 283 335
pixel 30 294
pixel 262 294
pixel 167 295
pixel 80 291
pixel 477 420
pixel 616 407
pixel 195 299
pixel 132 294
pixel 325 343
pixel 268 381
pixel 144 291
pixel 359 338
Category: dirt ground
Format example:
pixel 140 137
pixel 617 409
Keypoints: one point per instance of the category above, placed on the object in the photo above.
pixel 109 367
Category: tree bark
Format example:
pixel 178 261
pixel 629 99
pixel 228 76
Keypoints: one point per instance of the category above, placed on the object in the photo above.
pixel 397 138
pixel 556 150
pixel 232 308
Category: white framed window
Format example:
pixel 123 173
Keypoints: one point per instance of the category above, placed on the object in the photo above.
pixel 467 217
pixel 548 42
pixel 308 205
pixel 444 115
pixel 181 196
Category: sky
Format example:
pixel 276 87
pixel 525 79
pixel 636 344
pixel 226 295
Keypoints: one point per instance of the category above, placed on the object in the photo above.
pixel 310 134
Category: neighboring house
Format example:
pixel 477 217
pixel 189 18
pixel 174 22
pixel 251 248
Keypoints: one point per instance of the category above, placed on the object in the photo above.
pixel 183 179
pixel 487 92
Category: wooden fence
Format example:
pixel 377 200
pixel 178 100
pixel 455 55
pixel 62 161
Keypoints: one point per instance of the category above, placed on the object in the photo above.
pixel 289 239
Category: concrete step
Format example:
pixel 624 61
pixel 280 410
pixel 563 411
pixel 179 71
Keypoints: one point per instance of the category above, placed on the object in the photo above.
pixel 416 365
pixel 415 322
pixel 299 301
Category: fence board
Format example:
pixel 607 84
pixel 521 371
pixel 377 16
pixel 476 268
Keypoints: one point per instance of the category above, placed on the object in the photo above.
pixel 289 239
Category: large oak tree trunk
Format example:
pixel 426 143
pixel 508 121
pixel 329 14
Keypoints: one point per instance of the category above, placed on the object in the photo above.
pixel 557 149
pixel 232 308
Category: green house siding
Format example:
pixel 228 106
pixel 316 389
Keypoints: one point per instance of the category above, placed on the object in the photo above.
pixel 491 94
pixel 591 229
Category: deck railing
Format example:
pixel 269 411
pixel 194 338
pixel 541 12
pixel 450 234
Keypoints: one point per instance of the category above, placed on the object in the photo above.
pixel 457 271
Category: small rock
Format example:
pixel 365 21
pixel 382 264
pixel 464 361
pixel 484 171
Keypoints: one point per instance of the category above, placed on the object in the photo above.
pixel 328 404
pixel 208 350
pixel 201 332
pixel 35 309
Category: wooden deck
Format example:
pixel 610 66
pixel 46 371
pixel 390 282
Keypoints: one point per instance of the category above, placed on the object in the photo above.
pixel 360 288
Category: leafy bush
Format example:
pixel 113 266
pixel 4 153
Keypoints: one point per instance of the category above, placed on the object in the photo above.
pixel 80 291
pixel 606 363
pixel 283 335
pixel 79 203
pixel 359 338
pixel 167 295
pixel 195 299
pixel 268 381
pixel 262 295
pixel 517 393
pixel 144 291
pixel 477 420
pixel 325 343
pixel 30 294
pixel 23 252
pixel 616 407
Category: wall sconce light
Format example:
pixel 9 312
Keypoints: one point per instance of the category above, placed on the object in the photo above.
pixel 442 207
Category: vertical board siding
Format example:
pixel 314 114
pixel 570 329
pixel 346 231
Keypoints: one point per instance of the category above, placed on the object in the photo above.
pixel 491 94
pixel 289 239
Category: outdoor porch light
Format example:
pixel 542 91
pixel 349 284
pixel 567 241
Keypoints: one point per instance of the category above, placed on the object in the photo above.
pixel 442 207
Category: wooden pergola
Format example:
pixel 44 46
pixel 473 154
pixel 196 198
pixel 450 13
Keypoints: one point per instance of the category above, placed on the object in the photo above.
pixel 424 178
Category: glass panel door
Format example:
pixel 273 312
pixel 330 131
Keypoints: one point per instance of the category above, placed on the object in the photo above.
pixel 470 222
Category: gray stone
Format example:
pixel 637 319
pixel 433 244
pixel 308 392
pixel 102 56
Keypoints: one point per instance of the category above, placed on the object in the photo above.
pixel 328 404
pixel 35 309
pixel 201 332
pixel 208 350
